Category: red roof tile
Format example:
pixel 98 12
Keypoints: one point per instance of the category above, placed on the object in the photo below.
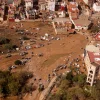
pixel 94 57
pixel 97 37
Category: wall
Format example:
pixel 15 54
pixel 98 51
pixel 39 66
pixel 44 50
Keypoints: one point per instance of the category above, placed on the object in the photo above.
pixel 87 61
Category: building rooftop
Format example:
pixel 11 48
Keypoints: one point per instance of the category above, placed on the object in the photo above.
pixel 82 21
pixel 97 37
pixel 94 57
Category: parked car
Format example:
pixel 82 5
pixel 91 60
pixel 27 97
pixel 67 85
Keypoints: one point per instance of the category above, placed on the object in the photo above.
pixel 13 67
pixel 23 53
pixel 40 54
pixel 8 55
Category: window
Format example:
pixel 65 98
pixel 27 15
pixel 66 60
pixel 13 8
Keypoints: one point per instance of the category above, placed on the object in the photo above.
pixel 89 79
pixel 90 75
pixel 91 71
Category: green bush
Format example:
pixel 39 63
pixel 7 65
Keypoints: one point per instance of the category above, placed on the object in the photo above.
pixel 8 46
pixel 26 89
pixel 75 93
pixel 14 87
pixel 95 93
pixel 14 46
pixel 25 38
pixel 81 79
pixel 95 29
pixel 69 76
pixel 13 83
pixel 4 40
pixel 18 62
pixel 73 87
pixel 65 84
pixel 75 78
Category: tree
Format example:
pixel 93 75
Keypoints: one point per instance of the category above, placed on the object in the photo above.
pixel 75 93
pixel 18 62
pixel 64 84
pixel 62 93
pixel 28 88
pixel 98 84
pixel 55 97
pixel 13 83
pixel 87 94
pixel 14 46
pixel 95 93
pixel 8 46
pixel 4 40
pixel 69 76
pixel 14 87
pixel 1 89
pixel 25 38
pixel 81 79
pixel 95 29
pixel 75 78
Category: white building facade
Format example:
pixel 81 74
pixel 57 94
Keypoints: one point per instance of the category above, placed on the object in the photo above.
pixel 51 5
pixel 96 7
pixel 28 3
pixel 92 62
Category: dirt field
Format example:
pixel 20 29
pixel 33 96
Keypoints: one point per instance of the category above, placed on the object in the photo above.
pixel 55 53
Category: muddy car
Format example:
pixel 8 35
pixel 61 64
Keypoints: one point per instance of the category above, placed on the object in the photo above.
pixel 8 55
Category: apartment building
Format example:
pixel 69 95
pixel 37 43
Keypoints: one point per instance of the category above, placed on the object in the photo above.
pixel 62 25
pixel 92 61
